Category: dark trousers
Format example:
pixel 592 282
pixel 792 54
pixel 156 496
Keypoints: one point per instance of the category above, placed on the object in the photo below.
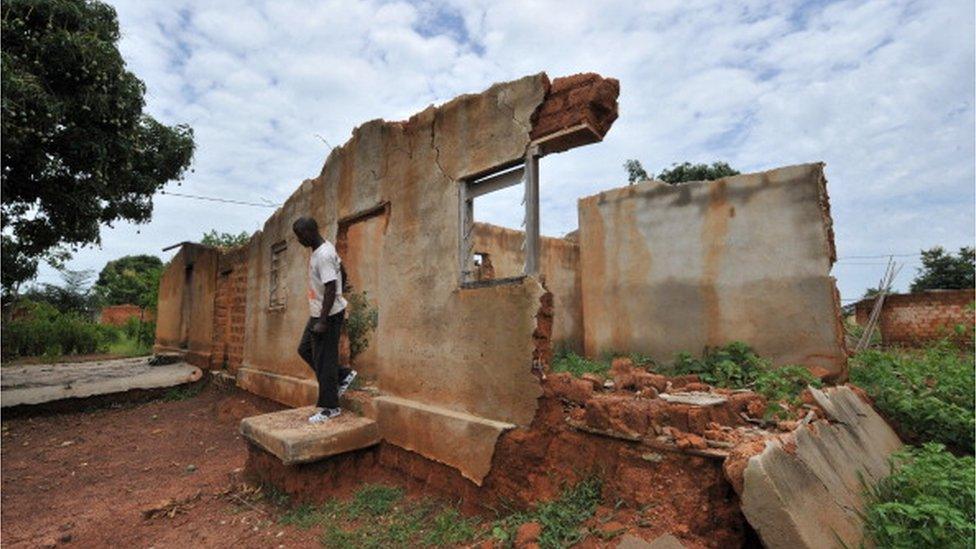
pixel 321 352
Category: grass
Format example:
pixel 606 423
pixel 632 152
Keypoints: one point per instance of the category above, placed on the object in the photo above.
pixel 129 347
pixel 561 519
pixel 927 501
pixel 183 392
pixel 928 393
pixel 378 516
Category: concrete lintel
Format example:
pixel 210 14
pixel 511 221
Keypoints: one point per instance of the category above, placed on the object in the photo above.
pixel 289 436
pixel 463 441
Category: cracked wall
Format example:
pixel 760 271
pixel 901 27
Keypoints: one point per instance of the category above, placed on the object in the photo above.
pixel 454 365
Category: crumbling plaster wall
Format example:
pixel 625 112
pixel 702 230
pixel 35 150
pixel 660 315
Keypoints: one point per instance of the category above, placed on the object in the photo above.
pixel 443 355
pixel 680 268
pixel 559 265
pixel 184 316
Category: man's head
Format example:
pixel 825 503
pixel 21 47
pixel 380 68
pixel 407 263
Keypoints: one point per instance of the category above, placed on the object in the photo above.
pixel 307 231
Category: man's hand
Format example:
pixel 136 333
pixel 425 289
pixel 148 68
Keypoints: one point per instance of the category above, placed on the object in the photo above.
pixel 320 326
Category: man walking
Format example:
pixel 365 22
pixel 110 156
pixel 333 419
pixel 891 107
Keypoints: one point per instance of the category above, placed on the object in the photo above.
pixel 319 346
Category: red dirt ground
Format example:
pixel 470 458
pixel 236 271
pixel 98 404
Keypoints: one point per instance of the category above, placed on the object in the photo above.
pixel 84 479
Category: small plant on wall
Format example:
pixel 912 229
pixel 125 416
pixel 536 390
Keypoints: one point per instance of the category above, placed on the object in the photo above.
pixel 360 321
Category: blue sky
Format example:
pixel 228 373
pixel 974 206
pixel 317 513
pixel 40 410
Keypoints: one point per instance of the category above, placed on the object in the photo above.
pixel 882 91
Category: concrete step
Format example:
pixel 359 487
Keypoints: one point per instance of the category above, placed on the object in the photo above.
pixel 291 438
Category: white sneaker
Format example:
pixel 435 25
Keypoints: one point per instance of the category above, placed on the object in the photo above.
pixel 325 414
pixel 347 382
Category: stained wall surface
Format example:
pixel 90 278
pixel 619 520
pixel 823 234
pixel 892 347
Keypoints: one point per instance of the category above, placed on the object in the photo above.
pixel 559 266
pixel 447 356
pixel 185 309
pixel 745 258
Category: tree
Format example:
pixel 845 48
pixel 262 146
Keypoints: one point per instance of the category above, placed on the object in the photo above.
pixel 225 240
pixel 680 173
pixel 635 171
pixel 943 271
pixel 73 296
pixel 77 149
pixel 130 279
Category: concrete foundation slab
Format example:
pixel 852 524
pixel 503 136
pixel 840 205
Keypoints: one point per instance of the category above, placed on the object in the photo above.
pixel 805 489
pixel 291 438
pixel 42 383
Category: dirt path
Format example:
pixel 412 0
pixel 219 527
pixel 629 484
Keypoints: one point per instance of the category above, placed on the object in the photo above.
pixel 85 479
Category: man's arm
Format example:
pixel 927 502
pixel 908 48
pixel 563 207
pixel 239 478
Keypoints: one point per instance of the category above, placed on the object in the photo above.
pixel 328 299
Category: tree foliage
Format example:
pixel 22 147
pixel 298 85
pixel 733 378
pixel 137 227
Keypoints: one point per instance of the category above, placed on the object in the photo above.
pixel 78 151
pixel 130 279
pixel 73 296
pixel 225 240
pixel 679 173
pixel 635 171
pixel 686 171
pixel 944 271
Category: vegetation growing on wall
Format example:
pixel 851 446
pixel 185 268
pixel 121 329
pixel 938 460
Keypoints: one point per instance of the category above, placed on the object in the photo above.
pixel 361 320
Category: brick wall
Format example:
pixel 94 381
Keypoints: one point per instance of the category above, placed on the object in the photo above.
pixel 230 302
pixel 116 315
pixel 914 319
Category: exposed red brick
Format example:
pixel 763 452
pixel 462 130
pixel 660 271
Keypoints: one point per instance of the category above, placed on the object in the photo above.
pixel 914 319
pixel 117 315
pixel 572 100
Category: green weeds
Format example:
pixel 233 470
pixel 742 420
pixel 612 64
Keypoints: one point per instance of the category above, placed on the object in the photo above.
pixel 561 519
pixel 927 501
pixel 927 393
pixel 568 361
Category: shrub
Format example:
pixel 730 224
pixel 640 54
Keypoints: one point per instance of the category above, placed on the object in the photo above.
pixel 927 501
pixel 928 394
pixel 361 320
pixel 39 329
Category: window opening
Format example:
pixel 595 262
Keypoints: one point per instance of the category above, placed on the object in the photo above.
pixel 526 173
pixel 277 294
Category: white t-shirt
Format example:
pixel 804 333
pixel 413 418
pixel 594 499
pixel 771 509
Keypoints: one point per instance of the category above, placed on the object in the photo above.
pixel 323 267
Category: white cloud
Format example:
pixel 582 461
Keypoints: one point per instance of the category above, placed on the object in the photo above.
pixel 881 91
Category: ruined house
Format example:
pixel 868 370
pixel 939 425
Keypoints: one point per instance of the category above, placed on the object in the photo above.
pixel 469 313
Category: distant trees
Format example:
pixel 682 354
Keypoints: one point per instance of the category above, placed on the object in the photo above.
pixel 945 271
pixel 225 240
pixel 78 150
pixel 130 279
pixel 679 173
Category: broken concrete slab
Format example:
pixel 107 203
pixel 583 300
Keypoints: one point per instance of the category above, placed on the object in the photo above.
pixel 42 383
pixel 463 441
pixel 805 489
pixel 291 438
pixel 694 398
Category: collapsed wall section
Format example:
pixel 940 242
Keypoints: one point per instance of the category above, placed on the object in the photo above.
pixel 672 268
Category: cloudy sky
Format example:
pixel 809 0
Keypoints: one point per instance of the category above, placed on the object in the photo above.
pixel 882 91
